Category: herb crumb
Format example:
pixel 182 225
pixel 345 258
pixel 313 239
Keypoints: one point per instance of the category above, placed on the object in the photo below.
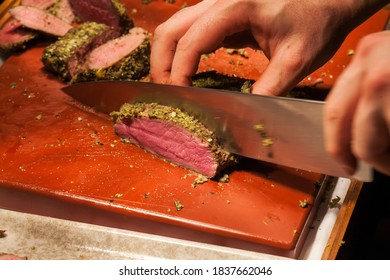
pixel 199 180
pixel 118 195
pixel 224 179
pixel 304 203
pixel 178 205
pixel 334 202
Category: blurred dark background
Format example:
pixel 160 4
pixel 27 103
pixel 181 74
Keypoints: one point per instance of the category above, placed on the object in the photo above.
pixel 368 232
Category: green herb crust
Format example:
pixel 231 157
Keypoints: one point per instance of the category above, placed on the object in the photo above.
pixel 57 56
pixel 125 21
pixel 179 118
pixel 213 79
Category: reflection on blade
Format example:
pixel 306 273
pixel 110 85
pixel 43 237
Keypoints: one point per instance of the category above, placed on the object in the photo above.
pixel 279 130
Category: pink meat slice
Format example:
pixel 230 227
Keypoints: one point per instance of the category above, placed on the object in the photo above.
pixel 12 35
pixel 114 50
pixel 41 4
pixel 170 142
pixel 40 20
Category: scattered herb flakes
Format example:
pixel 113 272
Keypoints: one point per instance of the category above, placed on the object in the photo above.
pixel 98 142
pixel 267 142
pixel 38 117
pixel 2 233
pixel 146 1
pixel 146 195
pixel 178 205
pixel 118 195
pixel 199 180
pixel 13 85
pixel 259 127
pixel 224 179
pixel 334 202
pixel 304 203
pixel 94 134
pixel 317 183
pixel 230 51
pixel 125 140
pixel 241 52
pixel 187 175
pixel 170 1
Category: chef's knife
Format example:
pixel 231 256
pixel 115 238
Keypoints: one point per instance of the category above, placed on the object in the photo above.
pixel 280 130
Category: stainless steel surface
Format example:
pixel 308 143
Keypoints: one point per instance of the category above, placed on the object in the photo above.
pixel 279 130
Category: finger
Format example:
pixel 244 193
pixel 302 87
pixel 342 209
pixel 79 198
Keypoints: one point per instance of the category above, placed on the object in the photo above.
pixel 205 35
pixel 166 37
pixel 285 70
pixel 371 129
pixel 338 116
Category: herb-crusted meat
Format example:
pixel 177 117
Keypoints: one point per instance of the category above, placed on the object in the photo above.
pixel 123 58
pixel 13 36
pixel 172 135
pixel 110 12
pixel 67 54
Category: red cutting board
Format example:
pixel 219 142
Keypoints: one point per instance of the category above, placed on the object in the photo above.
pixel 54 147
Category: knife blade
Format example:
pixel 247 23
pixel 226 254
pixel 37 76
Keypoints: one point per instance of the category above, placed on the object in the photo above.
pixel 279 130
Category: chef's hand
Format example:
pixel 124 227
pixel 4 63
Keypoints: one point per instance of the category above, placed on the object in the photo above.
pixel 297 37
pixel 357 113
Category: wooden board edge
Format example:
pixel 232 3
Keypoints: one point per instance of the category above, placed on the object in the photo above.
pixel 337 234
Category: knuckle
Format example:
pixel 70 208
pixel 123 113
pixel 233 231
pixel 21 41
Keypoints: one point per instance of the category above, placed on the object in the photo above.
pixel 159 31
pixel 377 82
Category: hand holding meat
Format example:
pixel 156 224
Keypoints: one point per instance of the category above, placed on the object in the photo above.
pixel 297 37
pixel 357 115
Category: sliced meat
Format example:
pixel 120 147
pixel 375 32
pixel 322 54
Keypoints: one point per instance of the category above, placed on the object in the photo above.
pixel 63 10
pixel 13 36
pixel 67 54
pixel 172 135
pixel 109 12
pixel 41 4
pixel 123 58
pixel 37 19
